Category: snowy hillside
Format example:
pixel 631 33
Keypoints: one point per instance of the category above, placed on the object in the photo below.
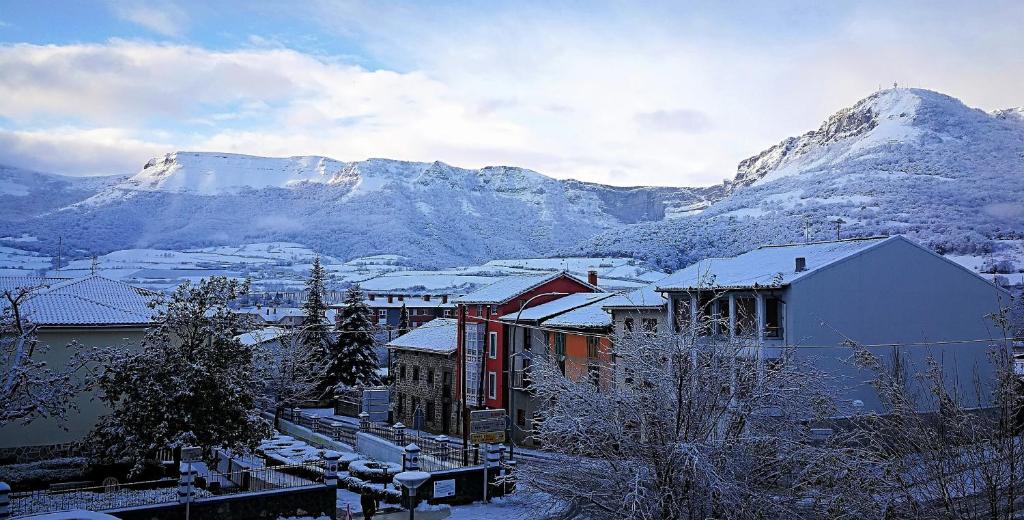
pixel 25 194
pixel 905 161
pixel 435 213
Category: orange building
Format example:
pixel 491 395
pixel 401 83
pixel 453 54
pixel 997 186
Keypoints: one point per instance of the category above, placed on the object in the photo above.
pixel 580 341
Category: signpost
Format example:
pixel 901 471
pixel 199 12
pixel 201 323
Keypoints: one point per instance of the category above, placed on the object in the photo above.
pixel 444 488
pixel 487 426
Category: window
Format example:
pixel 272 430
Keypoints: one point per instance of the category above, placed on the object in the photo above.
pixel 447 313
pixel 521 418
pixel 746 316
pixel 401 372
pixel 681 306
pixel 722 317
pixel 649 324
pixel 473 341
pixel 383 313
pixel 415 374
pixel 773 317
pixel 479 310
pixel 527 336
pixel 594 372
pixel 430 376
pixel 492 345
pixel 399 404
pixel 526 372
pixel 592 343
pixel 430 411
pixel 560 350
pixel 492 385
pixel 627 324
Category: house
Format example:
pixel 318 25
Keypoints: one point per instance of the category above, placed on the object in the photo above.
pixel 482 360
pixel 289 317
pixel 524 332
pixel 387 308
pixel 95 312
pixel 424 364
pixel 891 294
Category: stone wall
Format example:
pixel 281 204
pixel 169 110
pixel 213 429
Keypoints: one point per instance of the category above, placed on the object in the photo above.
pixel 432 391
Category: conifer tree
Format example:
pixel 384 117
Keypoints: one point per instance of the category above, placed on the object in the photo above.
pixel 403 321
pixel 315 326
pixel 352 361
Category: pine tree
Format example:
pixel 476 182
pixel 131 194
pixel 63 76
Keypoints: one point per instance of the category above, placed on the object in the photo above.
pixel 353 361
pixel 315 326
pixel 192 383
pixel 403 321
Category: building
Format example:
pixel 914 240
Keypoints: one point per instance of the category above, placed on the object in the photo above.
pixel 95 312
pixel 387 308
pixel 807 299
pixel 482 360
pixel 424 364
pixel 289 317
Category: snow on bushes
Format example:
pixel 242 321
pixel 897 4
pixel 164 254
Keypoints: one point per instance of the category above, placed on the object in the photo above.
pixel 374 470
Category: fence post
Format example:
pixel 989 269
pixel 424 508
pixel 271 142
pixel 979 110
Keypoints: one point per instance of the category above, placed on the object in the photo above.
pixel 399 430
pixel 5 500
pixel 364 422
pixel 185 478
pixel 491 460
pixel 442 444
pixel 315 423
pixel 331 468
pixel 412 458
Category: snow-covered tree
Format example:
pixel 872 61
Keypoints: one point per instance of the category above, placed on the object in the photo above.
pixel 314 310
pixel 693 428
pixel 290 371
pixel 403 320
pixel 352 361
pixel 192 383
pixel 29 387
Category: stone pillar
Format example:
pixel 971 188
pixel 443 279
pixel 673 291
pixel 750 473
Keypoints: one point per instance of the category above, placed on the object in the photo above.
pixel 399 430
pixel 186 479
pixel 443 446
pixel 5 501
pixel 412 458
pixel 296 415
pixel 364 422
pixel 331 468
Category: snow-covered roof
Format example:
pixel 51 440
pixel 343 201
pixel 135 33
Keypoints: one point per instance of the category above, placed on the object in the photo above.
pixel 10 283
pixel 556 307
pixel 438 336
pixel 592 316
pixel 646 297
pixel 258 336
pixel 411 302
pixel 92 301
pixel 766 266
pixel 508 288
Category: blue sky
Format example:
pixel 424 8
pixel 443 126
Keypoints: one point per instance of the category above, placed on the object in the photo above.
pixel 617 92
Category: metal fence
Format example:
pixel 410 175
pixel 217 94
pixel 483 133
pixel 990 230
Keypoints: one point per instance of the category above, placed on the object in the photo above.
pixel 450 457
pixel 96 498
pixel 272 477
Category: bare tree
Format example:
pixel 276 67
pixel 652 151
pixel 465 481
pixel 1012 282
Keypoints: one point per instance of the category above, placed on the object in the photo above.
pixel 290 368
pixel 31 388
pixel 700 424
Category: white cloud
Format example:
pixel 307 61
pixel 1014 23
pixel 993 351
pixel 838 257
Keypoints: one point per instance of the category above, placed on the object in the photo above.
pixel 98 151
pixel 164 18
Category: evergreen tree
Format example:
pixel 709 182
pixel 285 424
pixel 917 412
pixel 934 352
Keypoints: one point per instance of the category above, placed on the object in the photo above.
pixel 192 383
pixel 352 361
pixel 403 321
pixel 315 326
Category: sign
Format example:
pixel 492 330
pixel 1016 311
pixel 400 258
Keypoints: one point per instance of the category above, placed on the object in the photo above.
pixel 444 488
pixel 376 403
pixel 487 426
pixel 191 454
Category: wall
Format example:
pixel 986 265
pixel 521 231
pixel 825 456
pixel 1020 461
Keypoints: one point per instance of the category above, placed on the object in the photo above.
pixel 424 391
pixel 894 293
pixel 379 449
pixel 308 501
pixel 40 433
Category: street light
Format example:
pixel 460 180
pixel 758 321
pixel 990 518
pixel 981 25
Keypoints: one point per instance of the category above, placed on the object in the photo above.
pixel 412 480
pixel 512 371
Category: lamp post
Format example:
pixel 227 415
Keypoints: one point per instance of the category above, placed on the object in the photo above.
pixel 512 370
pixel 412 480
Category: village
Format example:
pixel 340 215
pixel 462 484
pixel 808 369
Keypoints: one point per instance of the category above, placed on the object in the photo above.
pixel 376 397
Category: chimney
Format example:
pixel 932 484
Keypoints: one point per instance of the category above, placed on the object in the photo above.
pixel 592 277
pixel 444 298
pixel 801 264
pixel 426 297
pixel 372 296
pixel 391 298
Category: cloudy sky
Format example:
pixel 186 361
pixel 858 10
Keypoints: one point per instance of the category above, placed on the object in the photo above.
pixel 667 94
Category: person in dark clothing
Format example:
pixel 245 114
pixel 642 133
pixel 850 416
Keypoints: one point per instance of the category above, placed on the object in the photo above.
pixel 368 504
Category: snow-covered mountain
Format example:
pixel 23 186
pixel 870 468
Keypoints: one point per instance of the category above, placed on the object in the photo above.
pixel 907 161
pixel 433 212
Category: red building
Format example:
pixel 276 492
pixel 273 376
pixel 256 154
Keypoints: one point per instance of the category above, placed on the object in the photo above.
pixel 482 354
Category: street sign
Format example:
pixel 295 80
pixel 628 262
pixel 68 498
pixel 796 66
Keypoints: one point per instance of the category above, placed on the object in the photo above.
pixel 487 426
pixel 191 454
pixel 444 488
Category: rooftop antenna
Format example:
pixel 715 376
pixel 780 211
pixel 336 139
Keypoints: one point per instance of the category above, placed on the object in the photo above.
pixel 60 243
pixel 95 265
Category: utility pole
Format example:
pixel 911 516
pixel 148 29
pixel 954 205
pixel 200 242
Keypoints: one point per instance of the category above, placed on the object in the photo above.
pixel 60 244
pixel 839 225
pixel 807 229
pixel 95 265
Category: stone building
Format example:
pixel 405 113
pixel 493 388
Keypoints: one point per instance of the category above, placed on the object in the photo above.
pixel 423 361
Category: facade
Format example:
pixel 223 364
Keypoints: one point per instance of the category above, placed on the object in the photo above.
pixel 483 338
pixel 387 308
pixel 424 365
pixel 892 294
pixel 94 312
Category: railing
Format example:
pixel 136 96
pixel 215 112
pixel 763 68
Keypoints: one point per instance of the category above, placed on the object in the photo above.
pixel 450 457
pixel 274 477
pixel 97 498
